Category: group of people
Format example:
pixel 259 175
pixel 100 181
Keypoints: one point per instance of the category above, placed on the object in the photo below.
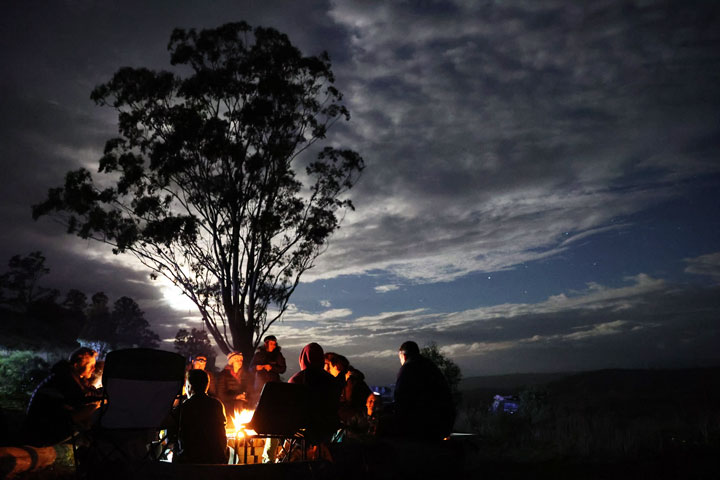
pixel 339 399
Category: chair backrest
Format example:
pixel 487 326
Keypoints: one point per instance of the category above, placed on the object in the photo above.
pixel 140 384
pixel 282 409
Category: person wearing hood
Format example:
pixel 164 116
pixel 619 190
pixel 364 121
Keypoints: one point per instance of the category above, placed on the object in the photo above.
pixel 233 384
pixel 324 393
pixel 267 363
pixel 63 401
pixel 354 391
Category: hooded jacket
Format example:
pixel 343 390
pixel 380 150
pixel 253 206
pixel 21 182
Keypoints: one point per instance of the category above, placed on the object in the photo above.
pixel 324 394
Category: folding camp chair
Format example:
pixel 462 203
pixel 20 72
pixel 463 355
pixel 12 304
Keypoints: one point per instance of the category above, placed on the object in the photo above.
pixel 140 386
pixel 282 412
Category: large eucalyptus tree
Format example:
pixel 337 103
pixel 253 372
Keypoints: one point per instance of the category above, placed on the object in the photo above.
pixel 212 184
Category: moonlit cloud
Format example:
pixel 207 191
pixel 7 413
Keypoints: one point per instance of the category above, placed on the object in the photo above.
pixel 708 265
pixel 386 288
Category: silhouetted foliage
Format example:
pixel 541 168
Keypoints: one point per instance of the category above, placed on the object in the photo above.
pixel 131 327
pixel 21 371
pixel 19 285
pixel 207 191
pixel 75 300
pixel 193 342
pixel 123 327
pixel 449 369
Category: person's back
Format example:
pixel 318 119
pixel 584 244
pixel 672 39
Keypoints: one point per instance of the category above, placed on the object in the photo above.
pixel 323 390
pixel 201 432
pixel 423 401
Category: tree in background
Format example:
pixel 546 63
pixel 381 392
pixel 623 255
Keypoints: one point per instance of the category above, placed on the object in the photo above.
pixel 75 301
pixel 449 369
pixel 98 330
pixel 123 327
pixel 30 318
pixel 19 285
pixel 194 342
pixel 214 184
pixel 131 327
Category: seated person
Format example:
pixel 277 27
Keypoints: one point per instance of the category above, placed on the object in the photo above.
pixel 64 401
pixel 199 361
pixel 373 409
pixel 201 429
pixel 324 393
pixel 354 391
pixel 423 403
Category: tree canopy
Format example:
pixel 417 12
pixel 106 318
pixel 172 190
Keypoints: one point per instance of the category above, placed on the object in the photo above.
pixel 19 285
pixel 450 370
pixel 194 342
pixel 219 181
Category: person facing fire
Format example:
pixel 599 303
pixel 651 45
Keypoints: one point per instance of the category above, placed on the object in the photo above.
pixel 353 389
pixel 373 408
pixel 324 393
pixel 64 401
pixel 268 363
pixel 233 384
pixel 423 402
pixel 201 428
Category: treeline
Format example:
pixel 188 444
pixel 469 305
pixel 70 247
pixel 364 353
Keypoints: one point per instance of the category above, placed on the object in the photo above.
pixel 34 317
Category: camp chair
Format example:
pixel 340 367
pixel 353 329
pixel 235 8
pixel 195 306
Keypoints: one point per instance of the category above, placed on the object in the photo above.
pixel 140 386
pixel 282 412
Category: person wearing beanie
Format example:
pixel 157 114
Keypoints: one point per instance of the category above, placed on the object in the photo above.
pixel 233 384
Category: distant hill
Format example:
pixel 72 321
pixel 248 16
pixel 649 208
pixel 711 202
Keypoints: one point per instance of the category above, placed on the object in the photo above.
pixel 509 383
pixel 607 388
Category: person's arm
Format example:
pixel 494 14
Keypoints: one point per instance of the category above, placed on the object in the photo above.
pixel 280 366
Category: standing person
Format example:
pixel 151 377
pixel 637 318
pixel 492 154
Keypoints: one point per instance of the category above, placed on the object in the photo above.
pixel 324 393
pixel 267 363
pixel 63 400
pixel 354 391
pixel 233 384
pixel 201 429
pixel 423 402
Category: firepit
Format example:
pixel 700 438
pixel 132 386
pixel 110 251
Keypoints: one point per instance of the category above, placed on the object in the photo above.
pixel 241 437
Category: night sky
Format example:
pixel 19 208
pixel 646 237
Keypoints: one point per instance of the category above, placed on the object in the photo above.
pixel 541 183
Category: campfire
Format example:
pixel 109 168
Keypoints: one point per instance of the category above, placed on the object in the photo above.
pixel 235 429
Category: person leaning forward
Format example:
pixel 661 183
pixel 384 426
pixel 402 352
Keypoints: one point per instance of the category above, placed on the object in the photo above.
pixel 63 401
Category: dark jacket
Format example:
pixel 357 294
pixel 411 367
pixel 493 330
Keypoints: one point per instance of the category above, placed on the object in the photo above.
pixel 52 405
pixel 423 402
pixel 275 359
pixel 229 386
pixel 353 396
pixel 201 431
pixel 323 391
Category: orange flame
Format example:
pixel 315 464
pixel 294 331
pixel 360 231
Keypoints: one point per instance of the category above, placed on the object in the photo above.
pixel 238 421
